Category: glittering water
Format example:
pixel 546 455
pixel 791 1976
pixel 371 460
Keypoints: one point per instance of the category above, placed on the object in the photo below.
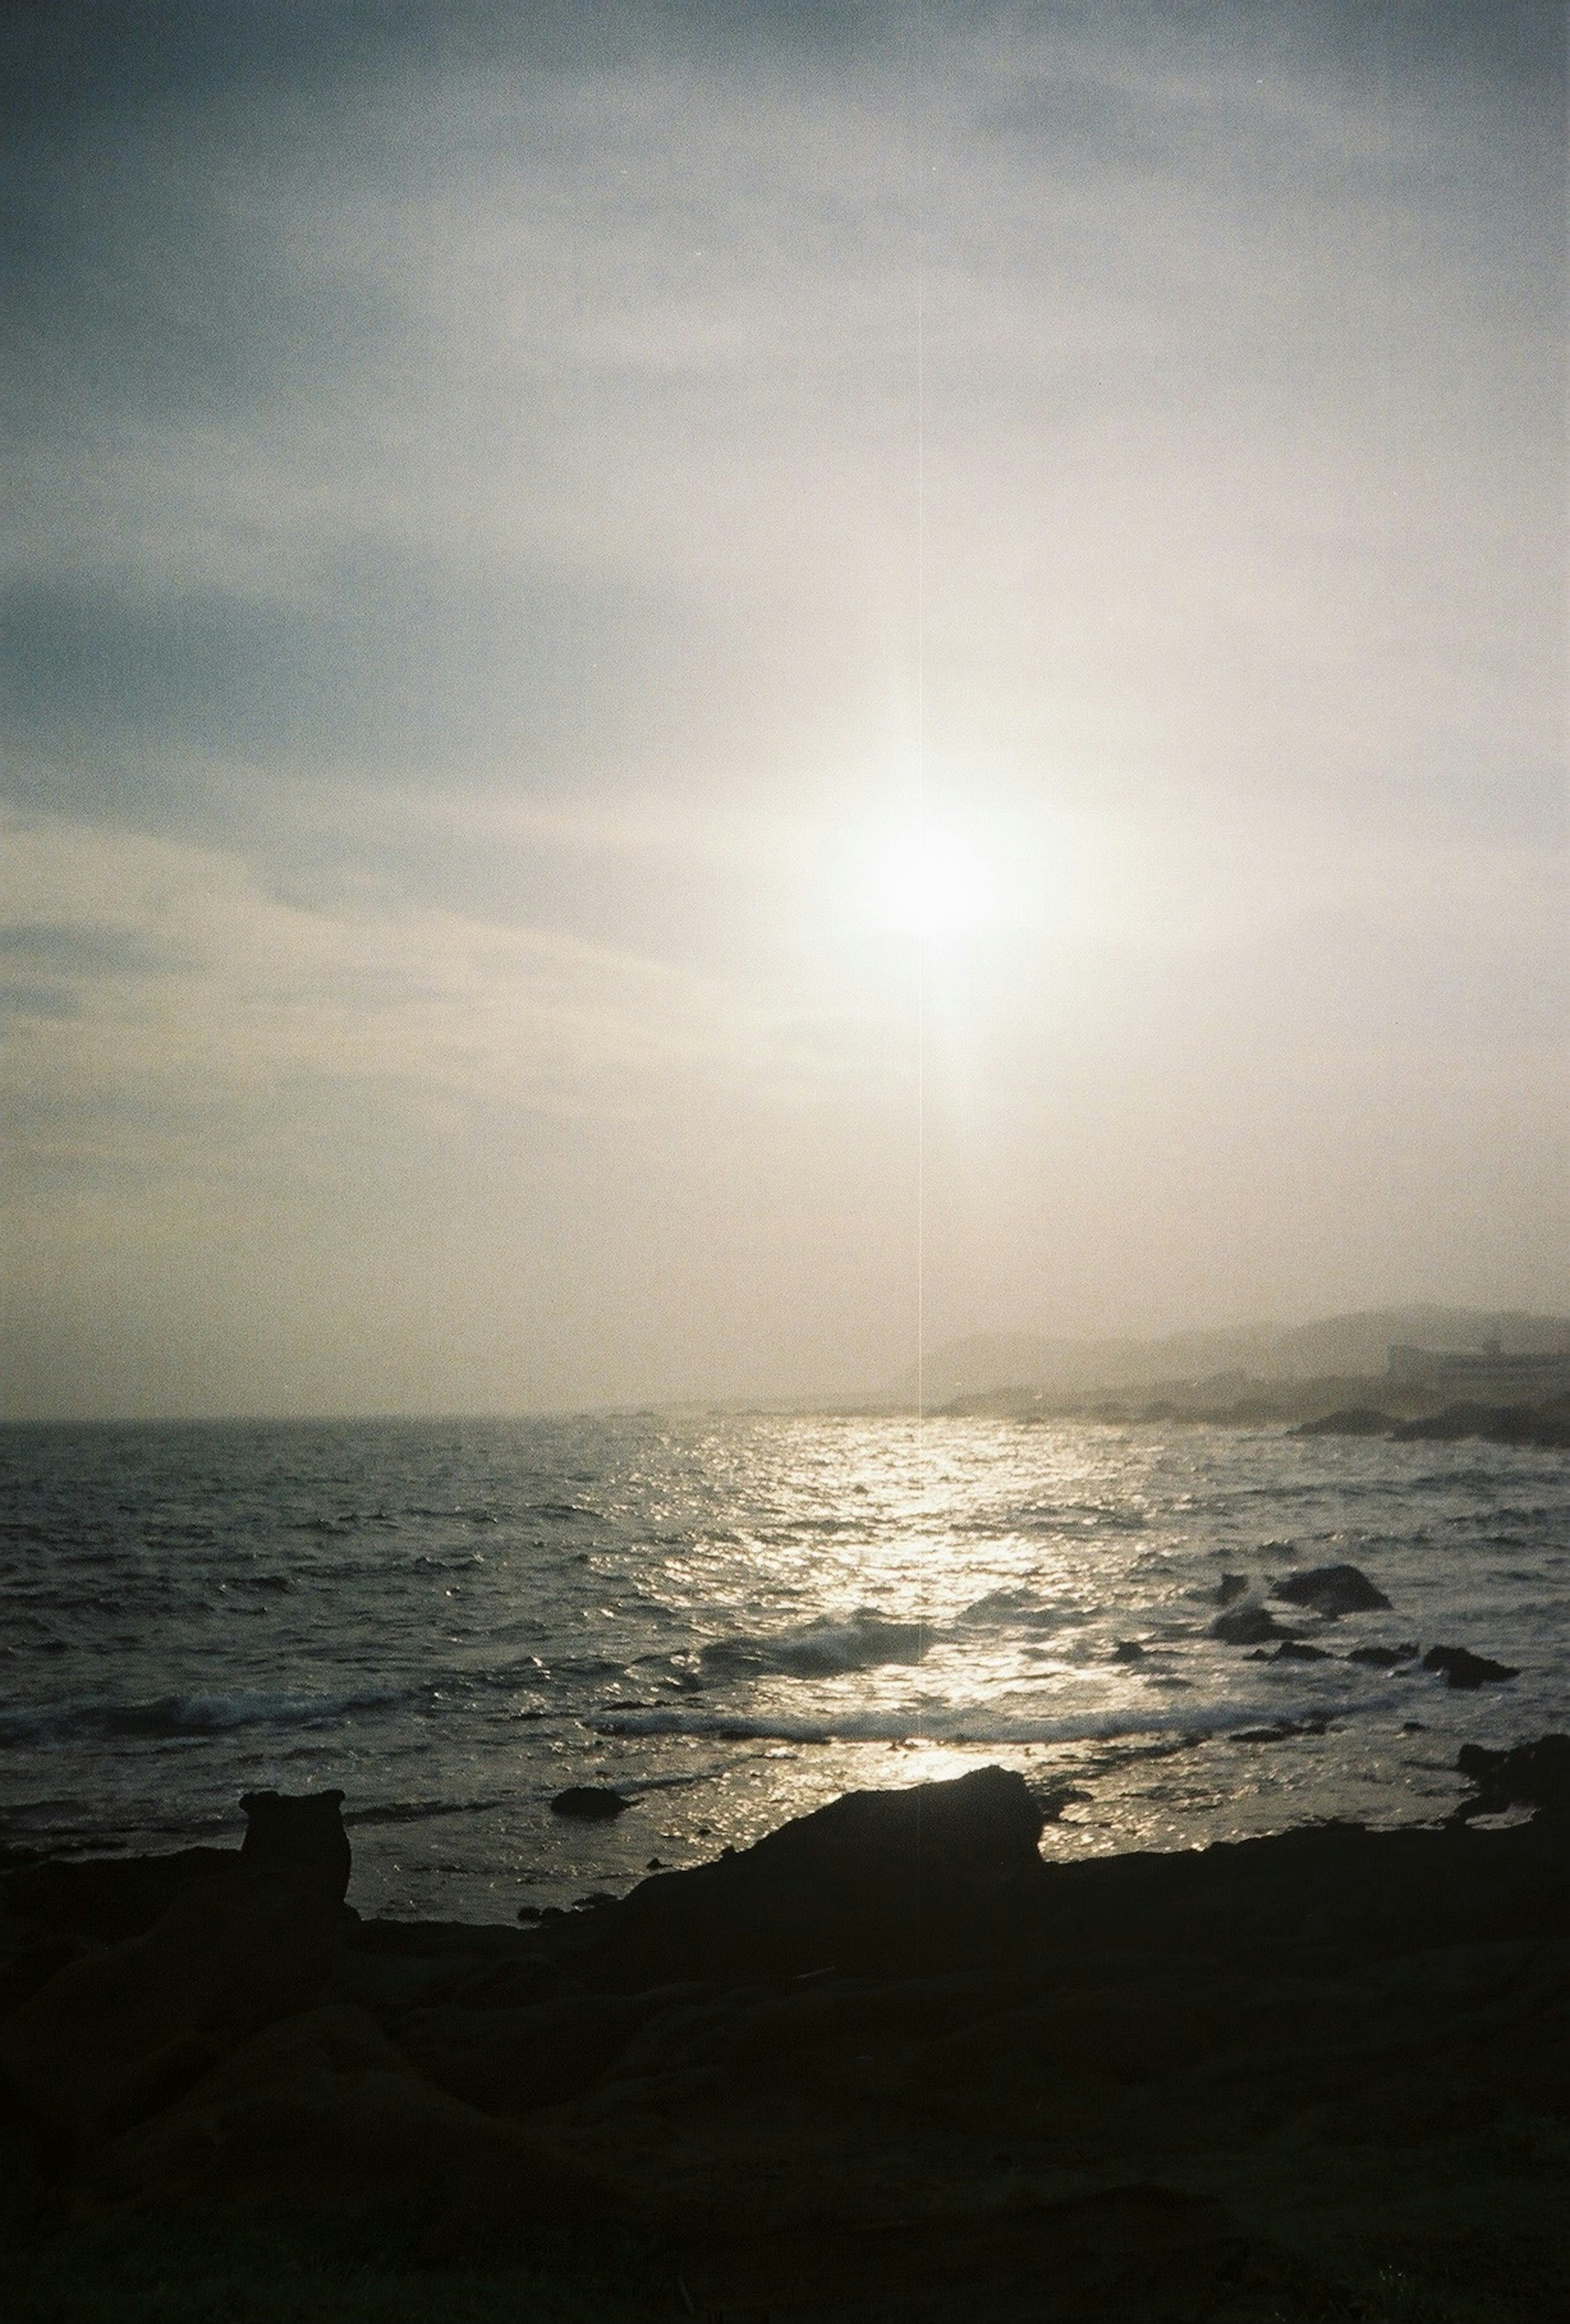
pixel 733 1620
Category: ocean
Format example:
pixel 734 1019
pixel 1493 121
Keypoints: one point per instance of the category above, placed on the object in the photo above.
pixel 733 1619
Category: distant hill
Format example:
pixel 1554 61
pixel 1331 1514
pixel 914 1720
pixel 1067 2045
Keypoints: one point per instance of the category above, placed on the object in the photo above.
pixel 1343 1345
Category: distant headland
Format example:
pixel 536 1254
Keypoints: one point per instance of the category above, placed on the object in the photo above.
pixel 1428 1371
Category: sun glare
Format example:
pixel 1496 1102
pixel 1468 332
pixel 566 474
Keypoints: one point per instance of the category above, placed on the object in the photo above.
pixel 931 883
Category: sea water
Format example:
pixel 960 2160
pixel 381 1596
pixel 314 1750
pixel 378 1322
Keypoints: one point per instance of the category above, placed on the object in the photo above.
pixel 731 1620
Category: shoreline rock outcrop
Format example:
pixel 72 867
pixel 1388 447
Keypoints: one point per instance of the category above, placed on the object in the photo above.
pixel 887 2063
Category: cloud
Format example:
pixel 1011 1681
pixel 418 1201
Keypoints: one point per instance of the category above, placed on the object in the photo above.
pixel 546 403
pixel 208 1009
pixel 506 502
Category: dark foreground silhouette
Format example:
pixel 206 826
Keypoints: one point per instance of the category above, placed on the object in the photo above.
pixel 887 2063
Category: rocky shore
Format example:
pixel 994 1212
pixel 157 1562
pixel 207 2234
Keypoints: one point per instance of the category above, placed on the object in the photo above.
pixel 887 2063
pixel 1411 1414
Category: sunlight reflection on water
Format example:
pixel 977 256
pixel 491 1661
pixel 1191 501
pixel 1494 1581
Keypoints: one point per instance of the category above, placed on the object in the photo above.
pixel 734 1619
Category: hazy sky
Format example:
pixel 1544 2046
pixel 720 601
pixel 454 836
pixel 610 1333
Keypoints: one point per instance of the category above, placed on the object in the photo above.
pixel 515 518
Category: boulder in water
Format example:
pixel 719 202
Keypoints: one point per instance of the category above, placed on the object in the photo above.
pixel 1464 1669
pixel 1331 1590
pixel 1246 1626
pixel 591 1803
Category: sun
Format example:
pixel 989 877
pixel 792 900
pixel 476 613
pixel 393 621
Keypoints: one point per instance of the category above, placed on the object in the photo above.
pixel 930 881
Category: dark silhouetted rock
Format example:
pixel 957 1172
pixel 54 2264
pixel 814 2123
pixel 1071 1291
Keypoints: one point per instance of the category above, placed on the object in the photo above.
pixel 324 2115
pixel 1530 1775
pixel 1294 1650
pixel 1464 1669
pixel 593 1802
pixel 31 1968
pixel 1383 1657
pixel 298 1841
pixel 1005 2088
pixel 1545 1426
pixel 122 2033
pixel 1246 1626
pixel 1053 1802
pixel 1331 1590
pixel 103 1899
pixel 513 2060
pixel 875 1881
pixel 1357 1420
pixel 1128 1650
pixel 1232 1587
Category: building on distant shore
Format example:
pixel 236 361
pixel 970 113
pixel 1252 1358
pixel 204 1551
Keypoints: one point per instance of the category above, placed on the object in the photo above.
pixel 1484 1374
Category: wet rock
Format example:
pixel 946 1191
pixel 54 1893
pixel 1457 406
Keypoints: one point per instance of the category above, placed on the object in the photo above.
pixel 122 2033
pixel 1053 1802
pixel 1128 1650
pixel 1462 1668
pixel 1383 1657
pixel 1294 1650
pixel 1331 1590
pixel 298 1842
pixel 1232 1587
pixel 1246 1626
pixel 1529 1774
pixel 591 1803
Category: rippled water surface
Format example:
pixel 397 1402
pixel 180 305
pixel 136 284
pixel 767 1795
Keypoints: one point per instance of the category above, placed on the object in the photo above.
pixel 733 1620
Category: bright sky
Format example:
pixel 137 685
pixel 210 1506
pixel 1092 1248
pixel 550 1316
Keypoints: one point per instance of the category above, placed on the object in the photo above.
pixel 622 623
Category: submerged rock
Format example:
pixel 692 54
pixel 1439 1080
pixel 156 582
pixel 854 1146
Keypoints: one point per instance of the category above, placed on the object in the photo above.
pixel 1464 1669
pixel 1331 1590
pixel 1383 1657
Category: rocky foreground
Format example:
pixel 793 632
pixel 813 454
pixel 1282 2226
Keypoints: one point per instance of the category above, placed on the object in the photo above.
pixel 887 2063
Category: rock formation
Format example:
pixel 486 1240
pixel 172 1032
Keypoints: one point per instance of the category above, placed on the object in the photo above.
pixel 887 2063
